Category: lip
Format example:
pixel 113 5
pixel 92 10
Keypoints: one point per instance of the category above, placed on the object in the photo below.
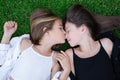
pixel 64 36
pixel 69 40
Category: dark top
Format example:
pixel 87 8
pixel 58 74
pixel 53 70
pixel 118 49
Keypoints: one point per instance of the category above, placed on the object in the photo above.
pixel 115 57
pixel 97 67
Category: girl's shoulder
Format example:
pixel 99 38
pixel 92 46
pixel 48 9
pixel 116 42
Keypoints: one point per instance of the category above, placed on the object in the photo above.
pixel 106 42
pixel 25 43
pixel 107 45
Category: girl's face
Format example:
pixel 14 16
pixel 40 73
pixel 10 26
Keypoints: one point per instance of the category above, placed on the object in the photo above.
pixel 73 34
pixel 57 32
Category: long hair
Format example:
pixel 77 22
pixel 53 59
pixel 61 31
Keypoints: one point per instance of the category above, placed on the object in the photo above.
pixel 78 15
pixel 41 21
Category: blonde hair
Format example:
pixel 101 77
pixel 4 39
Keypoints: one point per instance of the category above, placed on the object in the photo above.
pixel 39 20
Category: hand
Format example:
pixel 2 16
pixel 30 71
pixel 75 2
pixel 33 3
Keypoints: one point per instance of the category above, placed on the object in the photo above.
pixel 10 27
pixel 64 61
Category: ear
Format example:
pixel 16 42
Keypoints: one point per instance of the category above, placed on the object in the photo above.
pixel 83 28
pixel 44 29
pixel 46 32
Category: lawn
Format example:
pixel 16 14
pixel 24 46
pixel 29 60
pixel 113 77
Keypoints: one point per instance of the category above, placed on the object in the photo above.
pixel 20 10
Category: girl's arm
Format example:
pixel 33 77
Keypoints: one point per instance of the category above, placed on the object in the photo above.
pixel 9 28
pixel 65 64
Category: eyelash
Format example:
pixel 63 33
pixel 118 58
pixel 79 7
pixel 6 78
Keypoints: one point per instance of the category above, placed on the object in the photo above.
pixel 61 28
pixel 67 31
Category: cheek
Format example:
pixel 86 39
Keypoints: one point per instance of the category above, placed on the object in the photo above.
pixel 73 38
pixel 72 35
pixel 60 35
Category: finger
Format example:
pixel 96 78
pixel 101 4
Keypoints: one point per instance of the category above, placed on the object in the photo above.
pixel 12 23
pixel 15 24
pixel 59 59
pixel 63 53
pixel 6 23
pixel 9 23
pixel 60 55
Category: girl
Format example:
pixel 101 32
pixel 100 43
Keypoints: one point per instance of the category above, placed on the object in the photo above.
pixel 90 59
pixel 31 57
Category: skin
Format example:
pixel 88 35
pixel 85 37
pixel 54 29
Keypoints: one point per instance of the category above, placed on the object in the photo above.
pixel 9 28
pixel 87 46
pixel 50 38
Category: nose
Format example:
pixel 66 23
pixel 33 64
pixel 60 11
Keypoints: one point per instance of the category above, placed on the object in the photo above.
pixel 64 32
pixel 66 36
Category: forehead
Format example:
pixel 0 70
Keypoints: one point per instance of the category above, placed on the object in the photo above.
pixel 69 25
pixel 57 22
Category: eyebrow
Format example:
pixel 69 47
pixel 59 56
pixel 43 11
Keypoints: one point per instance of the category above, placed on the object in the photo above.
pixel 66 27
pixel 60 24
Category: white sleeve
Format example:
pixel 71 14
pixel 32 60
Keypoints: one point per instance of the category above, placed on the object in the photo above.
pixel 4 48
pixel 57 75
pixel 3 51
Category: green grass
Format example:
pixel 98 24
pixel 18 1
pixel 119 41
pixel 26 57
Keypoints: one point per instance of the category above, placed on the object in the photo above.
pixel 20 10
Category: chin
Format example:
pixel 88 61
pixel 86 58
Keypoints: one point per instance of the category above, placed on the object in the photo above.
pixel 63 41
pixel 72 45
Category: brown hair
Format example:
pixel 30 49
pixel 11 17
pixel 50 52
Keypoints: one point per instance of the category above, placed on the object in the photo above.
pixel 40 21
pixel 79 15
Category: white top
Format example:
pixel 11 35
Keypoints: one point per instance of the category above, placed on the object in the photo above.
pixel 8 55
pixel 32 66
pixel 30 63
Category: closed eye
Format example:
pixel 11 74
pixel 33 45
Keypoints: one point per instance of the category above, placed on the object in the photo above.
pixel 60 25
pixel 67 31
pixel 61 28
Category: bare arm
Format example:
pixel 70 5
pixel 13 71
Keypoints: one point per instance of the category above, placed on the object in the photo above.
pixel 108 45
pixel 65 63
pixel 56 66
pixel 9 28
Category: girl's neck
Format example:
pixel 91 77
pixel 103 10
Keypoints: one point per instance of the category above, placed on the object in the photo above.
pixel 43 50
pixel 88 45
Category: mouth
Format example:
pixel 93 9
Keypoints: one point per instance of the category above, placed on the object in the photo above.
pixel 64 37
pixel 69 40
